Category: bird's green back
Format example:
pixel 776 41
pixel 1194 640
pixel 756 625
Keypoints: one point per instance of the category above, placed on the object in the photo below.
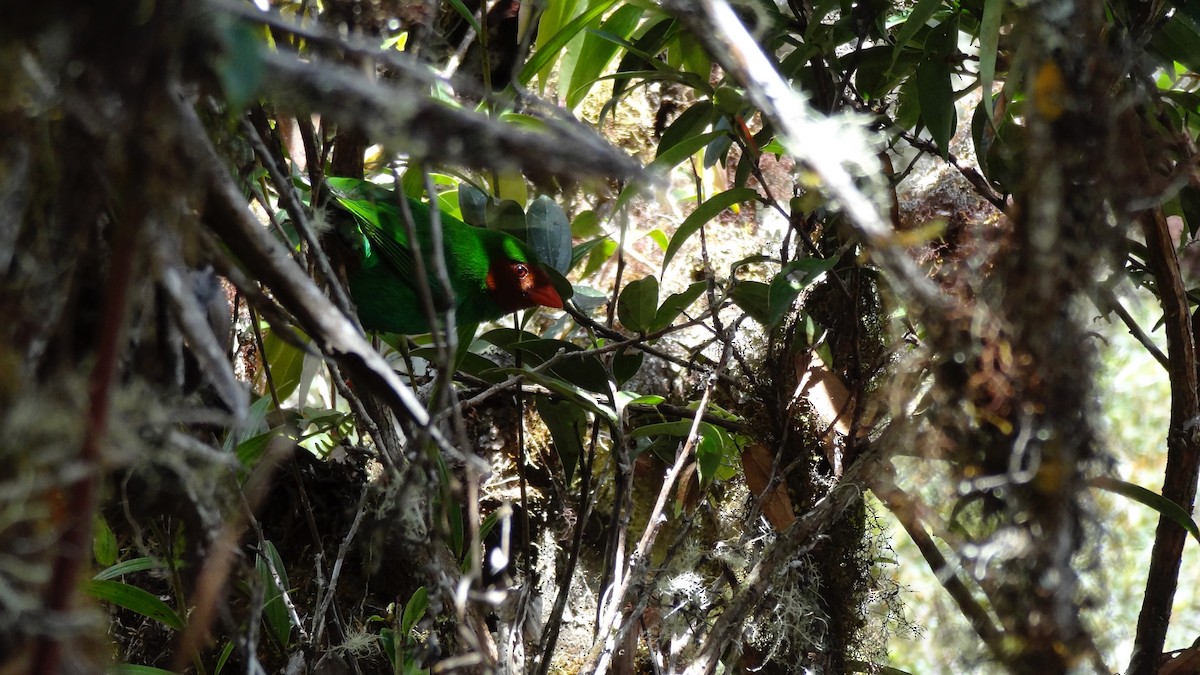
pixel 383 281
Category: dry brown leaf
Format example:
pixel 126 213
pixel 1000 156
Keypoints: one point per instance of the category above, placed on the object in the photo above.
pixel 777 506
pixel 1186 663
pixel 687 493
pixel 830 399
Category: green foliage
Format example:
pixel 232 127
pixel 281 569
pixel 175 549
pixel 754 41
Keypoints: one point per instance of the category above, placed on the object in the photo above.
pixel 275 614
pixel 638 304
pixel 898 63
pixel 704 213
pixel 566 422
pixel 134 599
pixel 402 654
pixel 1141 495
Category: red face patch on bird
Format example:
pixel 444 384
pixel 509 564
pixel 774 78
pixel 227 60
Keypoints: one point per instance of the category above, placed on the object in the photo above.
pixel 519 285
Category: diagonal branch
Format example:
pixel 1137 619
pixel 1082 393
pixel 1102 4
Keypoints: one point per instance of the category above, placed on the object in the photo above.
pixel 227 215
pixel 1183 448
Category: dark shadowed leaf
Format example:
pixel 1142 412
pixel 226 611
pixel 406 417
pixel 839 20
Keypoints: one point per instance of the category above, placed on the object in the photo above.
pixel 626 364
pixel 793 278
pixel 638 304
pixel 675 304
pixel 472 203
pixel 567 423
pixel 275 613
pixel 752 296
pixel 549 233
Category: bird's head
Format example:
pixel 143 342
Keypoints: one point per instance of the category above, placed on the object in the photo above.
pixel 516 281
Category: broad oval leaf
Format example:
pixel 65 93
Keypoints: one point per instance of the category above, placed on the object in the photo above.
pixel 414 609
pixel 626 363
pixel 752 296
pixel 549 233
pixel 638 304
pixel 584 370
pixel 472 204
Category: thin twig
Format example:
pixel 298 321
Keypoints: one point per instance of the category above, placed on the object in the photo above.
pixel 600 653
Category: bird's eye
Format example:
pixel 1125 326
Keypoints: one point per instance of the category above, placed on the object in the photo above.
pixel 522 271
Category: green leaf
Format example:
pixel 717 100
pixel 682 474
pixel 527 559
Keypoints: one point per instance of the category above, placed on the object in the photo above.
pixel 223 657
pixel 568 390
pixel 135 600
pixel 549 233
pixel 286 364
pixel 937 102
pixel 588 298
pixel 710 450
pixel 129 567
pixel 586 226
pixel 693 58
pixel 989 46
pixel 472 204
pixel 626 363
pixel 674 305
pixel 1141 495
pixel 691 122
pixel 640 55
pixel 671 157
pixel 718 149
pixel 1178 39
pixel 414 609
pixel 704 213
pixel 599 48
pixel 638 304
pixel 583 250
pixel 877 74
pixel 250 450
pixel 584 370
pixel 466 14
pixel 131 669
pixel 676 428
pixel 275 612
pixel 239 64
pixel 567 423
pixel 506 216
pixel 752 296
pixel 104 542
pixel 934 90
pixel 558 38
pixel 793 278
pixel 387 639
pixel 917 19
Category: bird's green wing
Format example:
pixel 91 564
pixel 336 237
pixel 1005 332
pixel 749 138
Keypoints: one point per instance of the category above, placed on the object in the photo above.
pixel 384 231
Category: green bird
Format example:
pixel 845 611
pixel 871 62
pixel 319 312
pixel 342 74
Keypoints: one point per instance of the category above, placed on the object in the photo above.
pixel 491 273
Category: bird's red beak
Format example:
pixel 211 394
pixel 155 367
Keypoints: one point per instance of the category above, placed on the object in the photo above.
pixel 545 295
